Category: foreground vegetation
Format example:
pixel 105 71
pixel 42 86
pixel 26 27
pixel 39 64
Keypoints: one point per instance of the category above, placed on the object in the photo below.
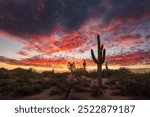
pixel 17 83
pixel 130 84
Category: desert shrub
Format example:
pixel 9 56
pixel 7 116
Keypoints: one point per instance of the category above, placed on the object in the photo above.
pixel 4 75
pixel 77 88
pixel 4 82
pixel 83 83
pixel 57 81
pixel 54 82
pixel 122 73
pixel 104 87
pixel 111 82
pixel 124 70
pixel 80 72
pixel 20 87
pixel 136 86
pixel 65 87
pixel 130 88
pixel 96 91
pixel 55 91
pixel 60 89
pixel 44 84
pixel 6 85
pixel 22 80
pixel 115 93
pixel 116 87
pixel 81 87
pixel 36 88
pixel 61 75
pixel 49 74
pixel 24 73
pixel 6 90
pixel 146 90
pixel 108 73
pixel 117 73
pixel 92 74
pixel 26 90
pixel 22 91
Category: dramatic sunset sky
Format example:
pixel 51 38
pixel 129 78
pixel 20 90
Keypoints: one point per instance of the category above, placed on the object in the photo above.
pixel 46 34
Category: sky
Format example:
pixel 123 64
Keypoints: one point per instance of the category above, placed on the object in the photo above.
pixel 47 34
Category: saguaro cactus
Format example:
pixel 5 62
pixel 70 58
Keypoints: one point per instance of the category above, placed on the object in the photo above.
pixel 100 59
pixel 84 65
pixel 106 65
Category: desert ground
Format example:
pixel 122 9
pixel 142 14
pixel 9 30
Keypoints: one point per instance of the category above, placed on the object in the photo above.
pixel 84 95
pixel 121 84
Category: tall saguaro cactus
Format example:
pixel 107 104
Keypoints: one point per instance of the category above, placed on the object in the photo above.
pixel 100 59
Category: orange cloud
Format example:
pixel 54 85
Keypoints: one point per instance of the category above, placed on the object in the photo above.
pixel 122 60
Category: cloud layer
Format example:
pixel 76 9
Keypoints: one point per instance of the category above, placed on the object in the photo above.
pixel 66 29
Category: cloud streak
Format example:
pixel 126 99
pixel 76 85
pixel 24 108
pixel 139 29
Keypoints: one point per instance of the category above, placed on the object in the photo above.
pixel 122 60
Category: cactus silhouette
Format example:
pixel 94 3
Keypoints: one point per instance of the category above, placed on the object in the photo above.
pixel 100 59
pixel 71 66
pixel 84 65
pixel 106 65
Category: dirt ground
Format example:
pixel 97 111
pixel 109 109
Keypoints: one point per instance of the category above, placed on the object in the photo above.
pixel 107 95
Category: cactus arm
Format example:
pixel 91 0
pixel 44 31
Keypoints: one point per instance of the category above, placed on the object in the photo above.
pixel 102 47
pixel 98 42
pixel 93 56
pixel 103 57
pixel 98 46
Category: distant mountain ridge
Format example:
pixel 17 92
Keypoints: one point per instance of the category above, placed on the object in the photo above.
pixel 141 70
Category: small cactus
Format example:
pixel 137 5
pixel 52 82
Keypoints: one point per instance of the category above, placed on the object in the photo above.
pixel 84 65
pixel 100 59
pixel 106 65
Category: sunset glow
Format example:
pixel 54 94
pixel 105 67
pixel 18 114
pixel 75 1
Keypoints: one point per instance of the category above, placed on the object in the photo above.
pixel 48 34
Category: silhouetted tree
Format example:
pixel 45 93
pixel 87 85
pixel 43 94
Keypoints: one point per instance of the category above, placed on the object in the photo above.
pixel 71 66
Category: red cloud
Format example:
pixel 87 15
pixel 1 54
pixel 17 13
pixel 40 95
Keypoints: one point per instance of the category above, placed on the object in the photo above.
pixel 127 38
pixel 123 60
pixel 55 42
pixel 130 59
pixel 78 42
